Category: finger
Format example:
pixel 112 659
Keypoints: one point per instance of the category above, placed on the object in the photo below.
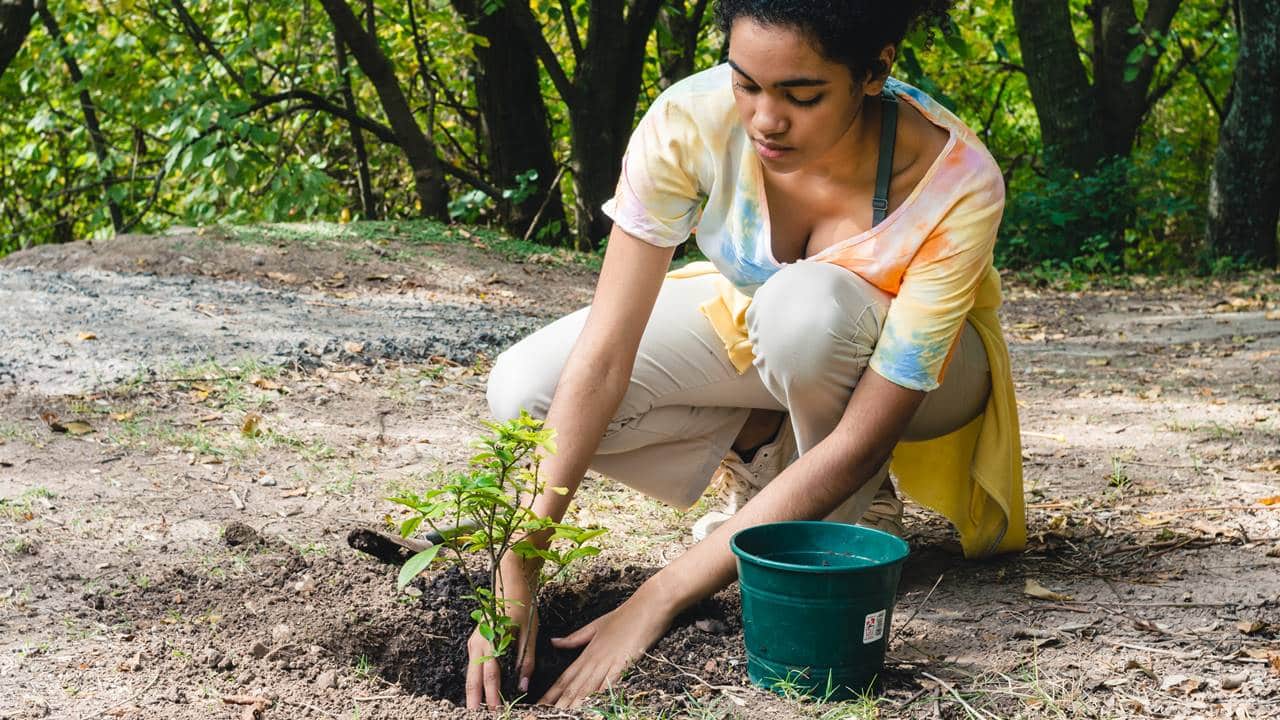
pixel 525 671
pixel 527 657
pixel 586 683
pixel 576 639
pixel 492 684
pixel 475 686
pixel 551 696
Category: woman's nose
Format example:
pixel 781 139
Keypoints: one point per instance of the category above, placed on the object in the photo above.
pixel 768 119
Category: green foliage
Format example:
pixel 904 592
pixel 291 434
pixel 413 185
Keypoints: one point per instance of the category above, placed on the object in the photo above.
pixel 493 501
pixel 196 138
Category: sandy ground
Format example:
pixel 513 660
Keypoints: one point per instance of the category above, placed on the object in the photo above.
pixel 1151 423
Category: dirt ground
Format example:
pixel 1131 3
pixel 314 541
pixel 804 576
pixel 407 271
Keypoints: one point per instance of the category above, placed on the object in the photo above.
pixel 1150 587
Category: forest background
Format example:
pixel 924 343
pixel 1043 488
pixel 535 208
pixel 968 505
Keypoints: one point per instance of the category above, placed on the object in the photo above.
pixel 1133 136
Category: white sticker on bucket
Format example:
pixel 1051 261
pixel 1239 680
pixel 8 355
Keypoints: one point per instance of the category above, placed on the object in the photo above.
pixel 873 627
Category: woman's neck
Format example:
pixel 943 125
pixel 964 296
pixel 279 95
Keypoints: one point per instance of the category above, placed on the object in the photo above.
pixel 853 157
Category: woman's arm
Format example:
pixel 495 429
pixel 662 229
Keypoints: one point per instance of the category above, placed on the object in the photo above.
pixel 592 383
pixel 811 488
pixel 598 370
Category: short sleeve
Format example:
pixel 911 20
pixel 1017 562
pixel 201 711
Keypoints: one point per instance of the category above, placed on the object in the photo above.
pixel 659 192
pixel 939 288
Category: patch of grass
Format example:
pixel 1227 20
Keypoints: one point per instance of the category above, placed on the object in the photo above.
pixel 21 508
pixel 1119 478
pixel 1213 429
pixel 312 450
pixel 21 432
pixel 313 549
pixel 620 707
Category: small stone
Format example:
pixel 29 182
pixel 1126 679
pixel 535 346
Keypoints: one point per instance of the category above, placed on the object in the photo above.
pixel 267 481
pixel 211 658
pixel 327 679
pixel 306 585
pixel 259 650
pixel 710 667
pixel 412 591
pixel 245 678
pixel 281 634
pixel 133 664
pixel 1232 682
pixel 712 626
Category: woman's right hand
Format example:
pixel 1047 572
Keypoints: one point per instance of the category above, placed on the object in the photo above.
pixel 484 680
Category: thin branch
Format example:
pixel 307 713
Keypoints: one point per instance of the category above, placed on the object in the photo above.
pixel 198 34
pixel 571 27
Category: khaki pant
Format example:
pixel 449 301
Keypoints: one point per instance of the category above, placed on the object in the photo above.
pixel 813 327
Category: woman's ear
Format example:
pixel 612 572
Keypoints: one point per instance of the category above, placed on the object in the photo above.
pixel 875 84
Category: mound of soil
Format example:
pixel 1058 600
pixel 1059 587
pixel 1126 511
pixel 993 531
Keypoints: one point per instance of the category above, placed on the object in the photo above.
pixel 285 613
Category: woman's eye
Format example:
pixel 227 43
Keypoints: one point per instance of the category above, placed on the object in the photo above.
pixel 745 88
pixel 807 102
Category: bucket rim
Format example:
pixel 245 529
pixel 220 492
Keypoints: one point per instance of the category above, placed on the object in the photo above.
pixel 901 545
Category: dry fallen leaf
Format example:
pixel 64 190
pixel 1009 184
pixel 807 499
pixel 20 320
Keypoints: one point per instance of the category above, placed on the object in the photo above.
pixel 1036 590
pixel 87 336
pixel 1150 394
pixel 1273 500
pixel 265 384
pixel 1181 684
pixel 1097 362
pixel 76 427
pixel 354 348
pixel 121 417
pixel 249 427
pixel 1249 627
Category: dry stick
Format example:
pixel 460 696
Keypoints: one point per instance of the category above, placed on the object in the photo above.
pixel 947 686
pixel 545 201
pixel 894 636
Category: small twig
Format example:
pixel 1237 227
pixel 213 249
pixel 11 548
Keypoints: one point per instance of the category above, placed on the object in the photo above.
pixel 235 499
pixel 1179 654
pixel 371 698
pixel 947 686
pixel 915 611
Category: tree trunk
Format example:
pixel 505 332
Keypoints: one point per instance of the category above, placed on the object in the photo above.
pixel 1083 123
pixel 15 25
pixel 678 30
pixel 90 115
pixel 368 204
pixel 1244 190
pixel 601 98
pixel 608 82
pixel 419 150
pixel 1060 90
pixel 517 137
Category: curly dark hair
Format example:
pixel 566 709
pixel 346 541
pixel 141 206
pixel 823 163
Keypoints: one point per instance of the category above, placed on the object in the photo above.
pixel 851 32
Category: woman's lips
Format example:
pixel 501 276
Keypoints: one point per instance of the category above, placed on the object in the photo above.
pixel 772 152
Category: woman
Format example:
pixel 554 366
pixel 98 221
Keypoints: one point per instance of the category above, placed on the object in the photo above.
pixel 848 310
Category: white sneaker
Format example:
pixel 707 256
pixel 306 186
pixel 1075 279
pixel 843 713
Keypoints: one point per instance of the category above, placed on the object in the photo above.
pixel 736 481
pixel 885 512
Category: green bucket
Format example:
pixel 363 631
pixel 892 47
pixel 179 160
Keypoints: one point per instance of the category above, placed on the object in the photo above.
pixel 817 602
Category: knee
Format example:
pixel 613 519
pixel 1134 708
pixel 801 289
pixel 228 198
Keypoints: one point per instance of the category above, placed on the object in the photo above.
pixel 811 318
pixel 517 383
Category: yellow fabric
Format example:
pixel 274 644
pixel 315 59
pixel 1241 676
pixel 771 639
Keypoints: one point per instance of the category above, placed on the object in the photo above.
pixel 972 476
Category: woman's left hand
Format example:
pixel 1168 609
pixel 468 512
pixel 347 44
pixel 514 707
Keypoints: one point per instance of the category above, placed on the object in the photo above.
pixel 613 641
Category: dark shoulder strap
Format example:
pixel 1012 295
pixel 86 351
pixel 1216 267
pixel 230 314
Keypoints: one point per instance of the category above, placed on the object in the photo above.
pixel 884 170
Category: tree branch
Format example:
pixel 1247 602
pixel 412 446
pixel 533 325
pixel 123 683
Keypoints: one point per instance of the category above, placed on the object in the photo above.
pixel 198 34
pixel 571 27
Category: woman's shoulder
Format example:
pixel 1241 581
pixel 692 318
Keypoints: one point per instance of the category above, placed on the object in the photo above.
pixel 967 158
pixel 704 98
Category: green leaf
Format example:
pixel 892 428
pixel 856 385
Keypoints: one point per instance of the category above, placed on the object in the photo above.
pixel 415 565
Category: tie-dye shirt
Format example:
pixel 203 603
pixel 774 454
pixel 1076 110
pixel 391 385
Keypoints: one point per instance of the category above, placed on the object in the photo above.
pixel 690 153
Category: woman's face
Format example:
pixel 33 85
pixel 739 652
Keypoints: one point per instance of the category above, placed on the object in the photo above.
pixel 794 103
